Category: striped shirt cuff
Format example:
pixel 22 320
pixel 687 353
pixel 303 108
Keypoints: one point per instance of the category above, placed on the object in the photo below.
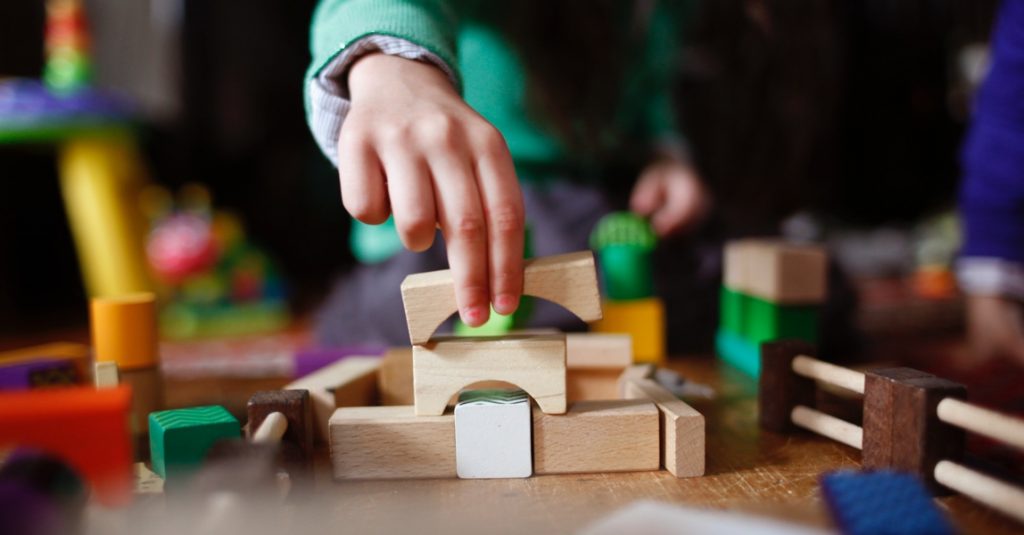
pixel 328 92
pixel 991 276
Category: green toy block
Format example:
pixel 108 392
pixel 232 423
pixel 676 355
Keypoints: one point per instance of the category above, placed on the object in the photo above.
pixel 764 321
pixel 624 242
pixel 738 352
pixel 180 438
pixel 731 311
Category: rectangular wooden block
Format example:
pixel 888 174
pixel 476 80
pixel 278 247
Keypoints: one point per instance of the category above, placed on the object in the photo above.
pixel 394 379
pixel 682 428
pixel 777 271
pixel 592 383
pixel 636 371
pixel 643 320
pixel 351 382
pixel 917 439
pixel 447 364
pixel 597 436
pixel 493 434
pixel 598 350
pixel 391 443
pixel 569 280
pixel 780 389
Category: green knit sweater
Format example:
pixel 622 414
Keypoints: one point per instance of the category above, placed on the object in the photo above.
pixel 491 75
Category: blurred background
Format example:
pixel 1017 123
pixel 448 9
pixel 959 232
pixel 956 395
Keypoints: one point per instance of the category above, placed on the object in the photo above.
pixel 830 119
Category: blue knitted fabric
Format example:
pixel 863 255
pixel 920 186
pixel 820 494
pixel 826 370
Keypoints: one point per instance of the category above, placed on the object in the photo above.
pixel 883 502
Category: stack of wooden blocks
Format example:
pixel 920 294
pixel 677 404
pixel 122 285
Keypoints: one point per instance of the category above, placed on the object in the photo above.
pixel 770 290
pixel 497 433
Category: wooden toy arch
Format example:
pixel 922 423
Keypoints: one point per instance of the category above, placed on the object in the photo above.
pixel 84 427
pixel 569 280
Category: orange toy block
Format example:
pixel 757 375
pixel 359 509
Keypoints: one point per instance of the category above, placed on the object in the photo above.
pixel 85 427
pixel 644 320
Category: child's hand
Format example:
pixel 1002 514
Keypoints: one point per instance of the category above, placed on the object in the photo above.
pixel 411 147
pixel 995 329
pixel 671 194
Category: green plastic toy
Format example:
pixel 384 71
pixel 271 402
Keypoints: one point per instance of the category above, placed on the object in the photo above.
pixel 180 438
pixel 624 242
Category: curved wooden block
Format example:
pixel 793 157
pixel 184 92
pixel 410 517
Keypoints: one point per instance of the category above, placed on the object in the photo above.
pixel 569 280
pixel 534 363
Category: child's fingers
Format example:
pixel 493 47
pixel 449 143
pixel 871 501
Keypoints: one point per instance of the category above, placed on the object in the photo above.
pixel 647 194
pixel 465 233
pixel 362 182
pixel 504 213
pixel 679 208
pixel 412 199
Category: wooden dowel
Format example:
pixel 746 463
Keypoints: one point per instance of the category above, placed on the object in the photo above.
pixel 271 430
pixel 992 492
pixel 813 368
pixel 828 426
pixel 982 421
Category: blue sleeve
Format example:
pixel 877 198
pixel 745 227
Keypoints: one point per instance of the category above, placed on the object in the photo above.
pixel 992 191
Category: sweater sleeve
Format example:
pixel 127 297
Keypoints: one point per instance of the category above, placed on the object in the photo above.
pixel 340 24
pixel 992 191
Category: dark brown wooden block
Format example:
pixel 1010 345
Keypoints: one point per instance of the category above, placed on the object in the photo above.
pixel 297 442
pixel 904 428
pixel 781 389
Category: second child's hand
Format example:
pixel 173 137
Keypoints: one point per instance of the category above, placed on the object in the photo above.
pixel 412 148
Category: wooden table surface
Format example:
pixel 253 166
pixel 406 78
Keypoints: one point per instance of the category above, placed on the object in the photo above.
pixel 747 469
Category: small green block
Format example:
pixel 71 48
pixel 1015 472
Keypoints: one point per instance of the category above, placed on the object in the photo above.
pixel 180 438
pixel 764 321
pixel 738 352
pixel 624 242
pixel 731 314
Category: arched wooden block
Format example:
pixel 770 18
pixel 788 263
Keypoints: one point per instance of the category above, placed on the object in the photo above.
pixel 85 427
pixel 569 280
pixel 444 365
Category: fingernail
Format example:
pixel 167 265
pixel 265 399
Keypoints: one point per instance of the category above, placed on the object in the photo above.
pixel 505 304
pixel 473 316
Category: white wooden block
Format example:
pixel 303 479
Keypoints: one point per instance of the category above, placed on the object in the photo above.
pixel 105 374
pixel 493 436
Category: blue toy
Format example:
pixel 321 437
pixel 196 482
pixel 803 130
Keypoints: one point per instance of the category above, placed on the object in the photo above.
pixel 882 503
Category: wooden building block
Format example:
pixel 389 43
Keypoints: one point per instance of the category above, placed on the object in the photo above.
pixel 445 365
pixel 592 383
pixel 394 379
pixel 597 436
pixel 147 395
pixel 598 350
pixel 569 280
pixel 391 443
pixel 350 382
pixel 297 408
pixel 644 320
pixel 780 389
pixel 636 371
pixel 105 375
pixel 492 434
pixel 901 425
pixel 777 271
pixel 179 439
pixel 682 428
pixel 87 428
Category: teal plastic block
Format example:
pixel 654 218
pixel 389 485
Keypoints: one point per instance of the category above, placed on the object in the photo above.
pixel 765 321
pixel 738 352
pixel 180 438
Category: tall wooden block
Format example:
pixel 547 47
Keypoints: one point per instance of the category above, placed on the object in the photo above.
pixel 445 365
pixel 597 436
pixel 780 388
pixel 297 409
pixel 394 380
pixel 682 428
pixel 350 382
pixel 776 271
pixel 391 443
pixel 492 434
pixel 569 280
pixel 901 419
pixel 644 320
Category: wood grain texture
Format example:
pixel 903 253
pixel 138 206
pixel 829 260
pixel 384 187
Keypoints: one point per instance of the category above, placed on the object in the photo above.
pixel 535 364
pixel 351 381
pixel 297 408
pixel 777 271
pixel 569 280
pixel 780 388
pixel 391 443
pixel 636 371
pixel 591 384
pixel 879 408
pixel 394 379
pixel 597 436
pixel 598 350
pixel 682 428
pixel 924 440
